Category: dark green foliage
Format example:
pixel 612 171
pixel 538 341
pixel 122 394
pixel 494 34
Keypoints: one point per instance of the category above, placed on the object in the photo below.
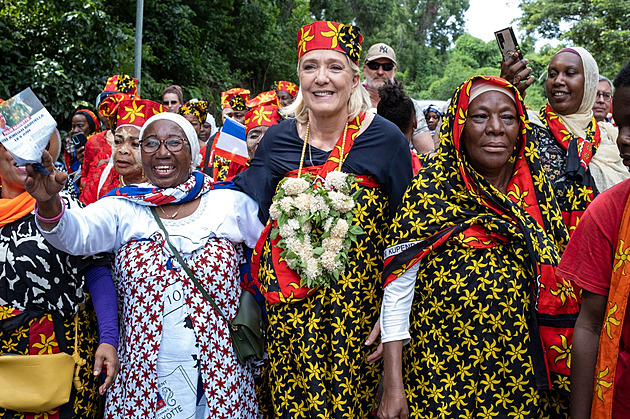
pixel 65 50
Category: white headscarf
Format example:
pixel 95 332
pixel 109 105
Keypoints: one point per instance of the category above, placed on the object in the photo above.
pixel 606 166
pixel 578 121
pixel 183 123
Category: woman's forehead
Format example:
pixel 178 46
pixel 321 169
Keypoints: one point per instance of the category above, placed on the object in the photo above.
pixel 164 127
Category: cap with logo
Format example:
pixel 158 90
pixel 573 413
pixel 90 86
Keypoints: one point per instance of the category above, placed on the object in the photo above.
pixel 380 50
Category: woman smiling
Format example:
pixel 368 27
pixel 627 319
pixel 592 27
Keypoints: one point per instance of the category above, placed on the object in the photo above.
pixel 176 355
pixel 579 158
pixel 318 335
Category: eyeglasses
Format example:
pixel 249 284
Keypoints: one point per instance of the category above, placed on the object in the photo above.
pixel 151 145
pixel 375 66
pixel 170 103
pixel 607 97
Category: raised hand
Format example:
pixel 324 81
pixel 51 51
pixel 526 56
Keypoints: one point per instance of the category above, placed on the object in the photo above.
pixel 44 187
pixel 516 72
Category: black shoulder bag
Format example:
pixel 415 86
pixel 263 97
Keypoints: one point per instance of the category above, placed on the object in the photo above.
pixel 246 327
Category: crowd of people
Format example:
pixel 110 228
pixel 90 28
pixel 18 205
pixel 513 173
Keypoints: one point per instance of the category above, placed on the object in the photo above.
pixel 465 260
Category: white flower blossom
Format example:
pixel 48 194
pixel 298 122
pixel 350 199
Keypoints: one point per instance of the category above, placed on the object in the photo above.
pixel 274 211
pixel 333 244
pixel 327 224
pixel 319 204
pixel 294 224
pixel 294 186
pixel 306 227
pixel 327 259
pixel 303 203
pixel 286 204
pixel 335 180
pixel 341 202
pixel 286 231
pixel 293 244
pixel 312 270
pixel 340 229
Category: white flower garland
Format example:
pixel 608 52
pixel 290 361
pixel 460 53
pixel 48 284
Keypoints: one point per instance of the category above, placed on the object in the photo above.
pixel 315 226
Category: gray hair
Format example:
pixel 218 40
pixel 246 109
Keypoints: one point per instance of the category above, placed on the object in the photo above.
pixel 607 80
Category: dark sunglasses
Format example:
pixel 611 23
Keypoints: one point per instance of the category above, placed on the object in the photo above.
pixel 375 66
pixel 172 102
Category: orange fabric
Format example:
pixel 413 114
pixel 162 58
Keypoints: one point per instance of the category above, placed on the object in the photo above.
pixel 13 209
pixel 612 327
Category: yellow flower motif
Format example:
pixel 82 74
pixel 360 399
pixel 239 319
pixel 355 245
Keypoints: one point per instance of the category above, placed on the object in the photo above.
pixel 564 291
pixel 133 112
pixel 6 312
pixel 46 344
pixel 260 115
pixel 610 319
pixel 621 256
pixel 45 415
pixel 600 384
pixel 518 196
pixel 564 350
pixel 332 33
pixel 304 38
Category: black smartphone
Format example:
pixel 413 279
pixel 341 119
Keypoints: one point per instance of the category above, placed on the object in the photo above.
pixel 79 140
pixel 508 43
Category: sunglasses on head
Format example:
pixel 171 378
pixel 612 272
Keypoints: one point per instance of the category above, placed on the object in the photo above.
pixel 375 66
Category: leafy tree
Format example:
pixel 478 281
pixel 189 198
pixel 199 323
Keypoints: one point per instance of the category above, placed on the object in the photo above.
pixel 56 48
pixel 600 26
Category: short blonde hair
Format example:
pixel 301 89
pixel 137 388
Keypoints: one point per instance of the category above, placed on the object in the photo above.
pixel 359 99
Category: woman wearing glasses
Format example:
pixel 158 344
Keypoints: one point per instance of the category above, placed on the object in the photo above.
pixel 125 165
pixel 176 357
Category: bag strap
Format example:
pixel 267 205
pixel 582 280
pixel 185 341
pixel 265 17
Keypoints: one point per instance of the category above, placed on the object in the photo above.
pixel 79 362
pixel 185 267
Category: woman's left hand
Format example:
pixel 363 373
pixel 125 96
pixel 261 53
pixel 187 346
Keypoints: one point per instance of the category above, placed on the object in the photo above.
pixel 376 331
pixel 106 356
pixel 44 187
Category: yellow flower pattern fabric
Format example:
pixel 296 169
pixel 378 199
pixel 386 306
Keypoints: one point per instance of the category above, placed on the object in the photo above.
pixel 575 188
pixel 318 366
pixel 491 324
pixel 39 337
pixel 610 336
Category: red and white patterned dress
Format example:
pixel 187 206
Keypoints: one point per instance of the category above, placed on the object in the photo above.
pixel 143 269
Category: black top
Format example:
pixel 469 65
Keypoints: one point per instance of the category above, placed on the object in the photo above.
pixel 381 151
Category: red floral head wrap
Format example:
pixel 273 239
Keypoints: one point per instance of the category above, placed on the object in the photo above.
pixel 287 86
pixel 92 120
pixel 232 98
pixel 127 110
pixel 330 35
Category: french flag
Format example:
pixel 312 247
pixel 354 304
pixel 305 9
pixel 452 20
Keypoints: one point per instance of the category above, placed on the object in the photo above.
pixel 231 142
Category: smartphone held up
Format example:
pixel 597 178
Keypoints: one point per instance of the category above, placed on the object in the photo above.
pixel 508 43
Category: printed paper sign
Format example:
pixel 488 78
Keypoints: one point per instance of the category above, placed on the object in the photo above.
pixel 25 128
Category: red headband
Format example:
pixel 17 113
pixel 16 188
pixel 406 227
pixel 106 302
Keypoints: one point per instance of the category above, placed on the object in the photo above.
pixel 330 35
